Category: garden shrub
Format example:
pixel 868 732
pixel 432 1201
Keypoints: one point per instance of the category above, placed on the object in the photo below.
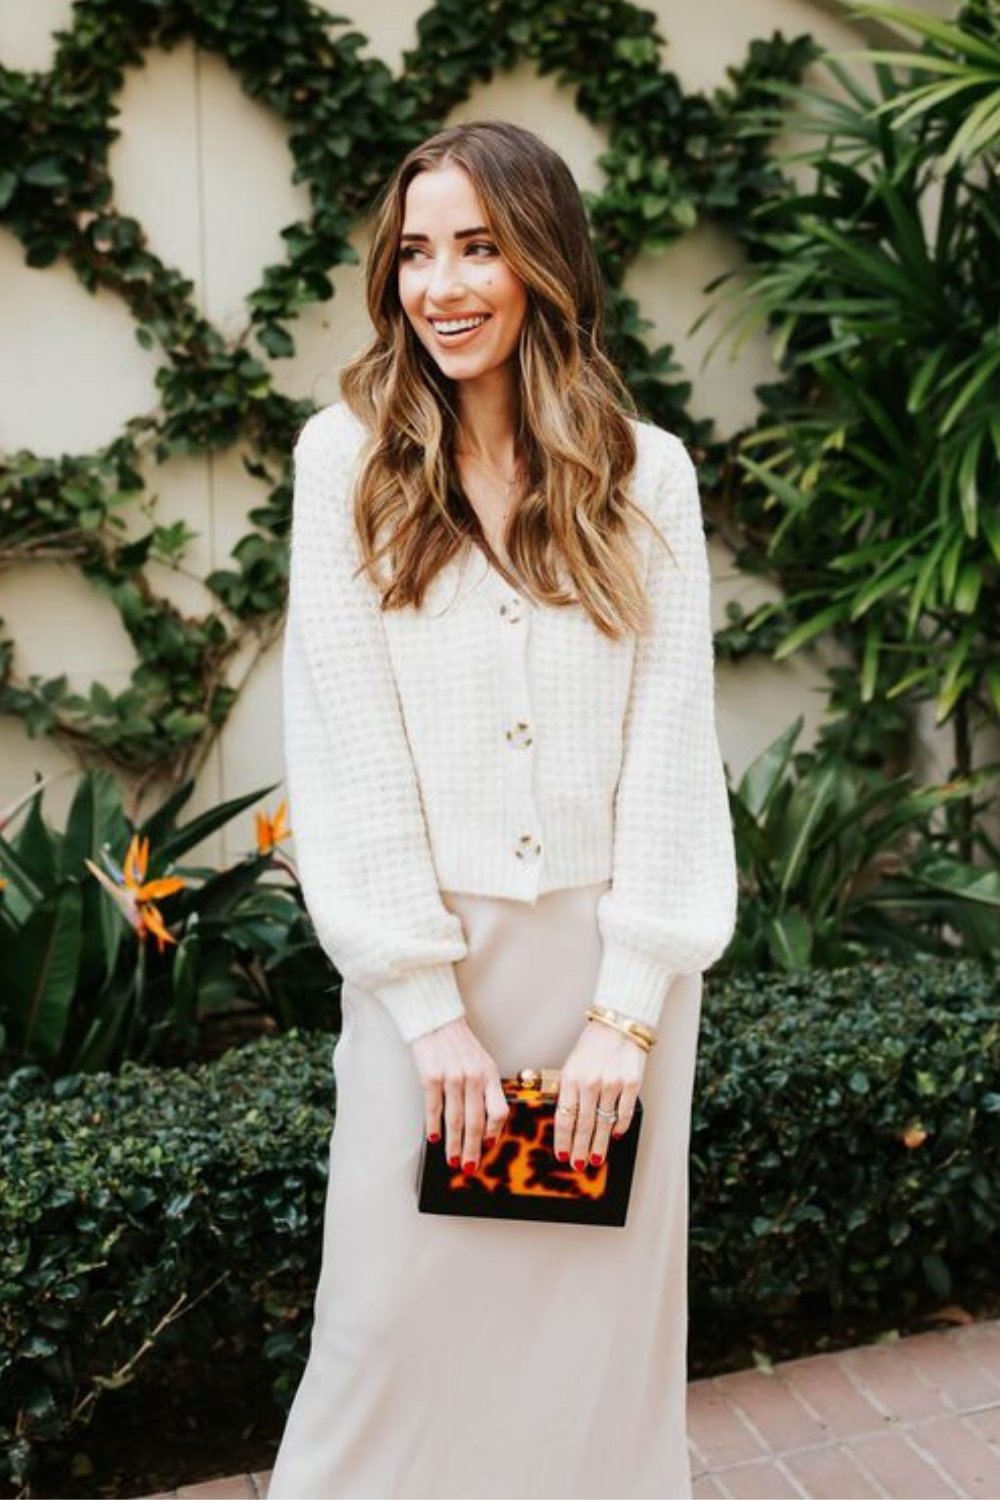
pixel 846 1138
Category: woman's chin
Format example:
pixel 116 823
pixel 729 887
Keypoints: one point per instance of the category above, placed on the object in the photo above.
pixel 455 368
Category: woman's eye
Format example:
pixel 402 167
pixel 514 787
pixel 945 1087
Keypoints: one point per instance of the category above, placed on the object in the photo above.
pixel 409 252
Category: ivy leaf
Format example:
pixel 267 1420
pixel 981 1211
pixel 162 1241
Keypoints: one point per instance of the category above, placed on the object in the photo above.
pixel 278 343
pixel 636 49
pixel 47 171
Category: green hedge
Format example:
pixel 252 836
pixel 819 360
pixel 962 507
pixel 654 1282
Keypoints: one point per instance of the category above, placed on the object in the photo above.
pixel 846 1151
pixel 846 1155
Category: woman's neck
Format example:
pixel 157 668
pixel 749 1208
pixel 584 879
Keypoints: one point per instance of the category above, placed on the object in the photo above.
pixel 487 410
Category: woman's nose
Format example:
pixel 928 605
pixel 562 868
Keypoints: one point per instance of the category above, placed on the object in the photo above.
pixel 446 280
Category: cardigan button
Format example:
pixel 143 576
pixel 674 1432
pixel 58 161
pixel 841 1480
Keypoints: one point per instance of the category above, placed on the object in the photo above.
pixel 520 736
pixel 527 847
pixel 510 609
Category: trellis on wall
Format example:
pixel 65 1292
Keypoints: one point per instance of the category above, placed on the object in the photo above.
pixel 673 159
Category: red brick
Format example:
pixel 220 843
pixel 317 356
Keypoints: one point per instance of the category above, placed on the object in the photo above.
pixel 985 1335
pixel 705 1488
pixel 822 1383
pixel 987 1424
pixel 962 1452
pixel 235 1487
pixel 760 1481
pixel 893 1382
pixel 963 1383
pixel 774 1410
pixel 980 1342
pixel 716 1429
pixel 829 1474
pixel 899 1469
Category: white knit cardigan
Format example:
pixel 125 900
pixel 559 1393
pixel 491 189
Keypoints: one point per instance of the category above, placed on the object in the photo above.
pixel 491 745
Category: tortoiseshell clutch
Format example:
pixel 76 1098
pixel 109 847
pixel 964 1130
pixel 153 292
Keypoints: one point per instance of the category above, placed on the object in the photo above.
pixel 520 1178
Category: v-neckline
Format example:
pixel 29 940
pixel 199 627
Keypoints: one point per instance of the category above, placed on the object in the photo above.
pixel 494 580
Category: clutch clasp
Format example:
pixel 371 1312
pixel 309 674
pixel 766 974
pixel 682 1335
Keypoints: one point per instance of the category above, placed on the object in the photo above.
pixel 546 1080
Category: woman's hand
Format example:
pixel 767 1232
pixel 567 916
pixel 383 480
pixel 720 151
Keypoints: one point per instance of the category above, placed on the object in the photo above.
pixel 459 1076
pixel 605 1069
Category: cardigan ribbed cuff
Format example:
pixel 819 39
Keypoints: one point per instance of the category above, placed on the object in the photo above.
pixel 630 982
pixel 422 1000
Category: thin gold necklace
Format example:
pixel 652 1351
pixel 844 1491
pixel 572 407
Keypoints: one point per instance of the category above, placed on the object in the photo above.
pixel 507 487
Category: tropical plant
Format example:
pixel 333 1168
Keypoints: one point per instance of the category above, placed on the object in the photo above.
pixel 873 471
pixel 82 988
pixel 963 99
pixel 838 864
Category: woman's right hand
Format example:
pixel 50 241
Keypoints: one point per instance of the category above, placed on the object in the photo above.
pixel 460 1078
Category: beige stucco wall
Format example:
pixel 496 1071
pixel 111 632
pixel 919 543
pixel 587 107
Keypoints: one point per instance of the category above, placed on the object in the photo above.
pixel 207 172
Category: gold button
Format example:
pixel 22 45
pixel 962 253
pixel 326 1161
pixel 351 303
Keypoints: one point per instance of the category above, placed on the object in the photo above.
pixel 520 736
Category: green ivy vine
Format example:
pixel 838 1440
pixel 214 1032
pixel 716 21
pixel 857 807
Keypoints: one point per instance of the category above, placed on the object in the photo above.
pixel 673 159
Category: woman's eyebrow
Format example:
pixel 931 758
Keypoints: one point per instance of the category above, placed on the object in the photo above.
pixel 460 234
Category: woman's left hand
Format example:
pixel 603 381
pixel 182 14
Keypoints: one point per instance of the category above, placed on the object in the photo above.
pixel 604 1070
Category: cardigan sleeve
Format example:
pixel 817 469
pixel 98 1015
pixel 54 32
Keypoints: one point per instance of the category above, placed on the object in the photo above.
pixel 361 844
pixel 671 906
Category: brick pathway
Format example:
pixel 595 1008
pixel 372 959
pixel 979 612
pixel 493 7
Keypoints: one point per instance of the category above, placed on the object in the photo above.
pixel 915 1419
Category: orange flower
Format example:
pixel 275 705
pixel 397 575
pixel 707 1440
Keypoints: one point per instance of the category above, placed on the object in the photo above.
pixel 913 1136
pixel 271 831
pixel 135 895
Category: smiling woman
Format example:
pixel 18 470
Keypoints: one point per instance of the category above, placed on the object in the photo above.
pixel 453 281
pixel 467 307
pixel 514 841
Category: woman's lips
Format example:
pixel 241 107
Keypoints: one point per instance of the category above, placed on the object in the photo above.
pixel 453 340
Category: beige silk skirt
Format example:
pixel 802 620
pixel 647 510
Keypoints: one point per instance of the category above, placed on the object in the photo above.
pixel 478 1357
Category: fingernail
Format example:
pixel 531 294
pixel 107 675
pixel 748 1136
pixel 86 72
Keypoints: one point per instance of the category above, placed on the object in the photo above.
pixel 488 1142
pixel 468 1167
pixel 579 1163
pixel 453 1161
pixel 434 1138
pixel 595 1160
pixel 562 1155
pixel 617 1134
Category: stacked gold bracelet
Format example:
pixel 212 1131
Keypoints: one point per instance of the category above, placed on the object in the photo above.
pixel 627 1025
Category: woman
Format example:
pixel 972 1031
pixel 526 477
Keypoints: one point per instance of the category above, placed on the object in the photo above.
pixel 509 805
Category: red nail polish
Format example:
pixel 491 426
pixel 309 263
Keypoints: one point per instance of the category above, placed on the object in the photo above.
pixel 617 1134
pixel 579 1163
pixel 595 1160
pixel 562 1155
pixel 468 1167
pixel 434 1138
pixel 488 1142
pixel 453 1161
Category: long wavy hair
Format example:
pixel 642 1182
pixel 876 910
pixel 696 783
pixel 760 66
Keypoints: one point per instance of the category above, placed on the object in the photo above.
pixel 575 444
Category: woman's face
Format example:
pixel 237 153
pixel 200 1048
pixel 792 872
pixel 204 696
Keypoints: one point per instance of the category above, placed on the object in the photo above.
pixel 463 300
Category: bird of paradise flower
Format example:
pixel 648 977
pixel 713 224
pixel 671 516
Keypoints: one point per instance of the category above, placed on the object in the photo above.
pixel 270 831
pixel 134 895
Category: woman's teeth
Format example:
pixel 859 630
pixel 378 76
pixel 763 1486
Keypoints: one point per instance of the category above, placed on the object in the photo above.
pixel 460 325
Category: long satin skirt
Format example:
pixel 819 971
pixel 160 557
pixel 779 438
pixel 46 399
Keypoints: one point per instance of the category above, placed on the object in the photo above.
pixel 473 1357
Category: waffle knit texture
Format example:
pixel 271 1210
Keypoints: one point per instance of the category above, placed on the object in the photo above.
pixel 491 745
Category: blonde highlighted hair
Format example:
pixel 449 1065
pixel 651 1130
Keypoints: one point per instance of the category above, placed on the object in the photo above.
pixel 574 440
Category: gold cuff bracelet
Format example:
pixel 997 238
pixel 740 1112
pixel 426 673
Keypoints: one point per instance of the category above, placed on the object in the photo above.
pixel 627 1025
